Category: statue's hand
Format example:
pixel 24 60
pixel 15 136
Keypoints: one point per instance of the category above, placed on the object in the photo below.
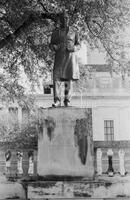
pixel 74 48
pixel 63 46
pixel 70 49
pixel 56 47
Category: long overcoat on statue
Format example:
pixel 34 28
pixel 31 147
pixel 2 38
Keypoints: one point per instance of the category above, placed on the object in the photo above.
pixel 66 61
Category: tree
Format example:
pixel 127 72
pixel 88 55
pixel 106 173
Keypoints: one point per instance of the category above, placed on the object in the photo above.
pixel 21 134
pixel 26 26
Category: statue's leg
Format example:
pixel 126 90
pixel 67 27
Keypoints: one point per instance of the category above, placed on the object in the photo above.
pixel 57 92
pixel 67 92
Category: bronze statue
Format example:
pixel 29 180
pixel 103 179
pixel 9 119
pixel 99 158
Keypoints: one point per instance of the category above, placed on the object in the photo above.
pixel 65 42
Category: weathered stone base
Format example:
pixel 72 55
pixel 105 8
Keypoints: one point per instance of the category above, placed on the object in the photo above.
pixel 65 146
pixel 11 190
pixel 79 189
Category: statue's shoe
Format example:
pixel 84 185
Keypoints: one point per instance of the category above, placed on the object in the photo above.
pixel 66 103
pixel 56 104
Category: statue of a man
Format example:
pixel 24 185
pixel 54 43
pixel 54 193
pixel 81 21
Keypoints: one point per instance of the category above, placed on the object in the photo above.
pixel 65 42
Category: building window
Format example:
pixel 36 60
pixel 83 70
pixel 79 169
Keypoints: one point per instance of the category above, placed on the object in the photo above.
pixel 104 82
pixel 13 115
pixel 13 111
pixel 109 130
pixel 47 89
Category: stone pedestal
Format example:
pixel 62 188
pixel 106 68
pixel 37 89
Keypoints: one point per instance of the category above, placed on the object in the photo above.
pixel 65 145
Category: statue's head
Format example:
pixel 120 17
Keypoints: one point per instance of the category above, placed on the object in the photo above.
pixel 63 20
pixel 58 22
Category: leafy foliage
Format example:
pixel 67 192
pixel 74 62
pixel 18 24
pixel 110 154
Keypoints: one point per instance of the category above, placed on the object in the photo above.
pixel 22 135
pixel 26 26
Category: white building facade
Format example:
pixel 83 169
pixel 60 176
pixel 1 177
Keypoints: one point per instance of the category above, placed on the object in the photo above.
pixel 109 97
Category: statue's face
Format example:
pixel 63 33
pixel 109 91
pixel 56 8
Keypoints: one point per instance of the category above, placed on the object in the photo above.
pixel 58 23
pixel 62 22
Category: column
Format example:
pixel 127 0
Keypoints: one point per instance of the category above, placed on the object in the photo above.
pixel 110 170
pixel 20 115
pixel 121 154
pixel 8 162
pixel 19 162
pixel 35 162
pixel 99 161
pixel 31 163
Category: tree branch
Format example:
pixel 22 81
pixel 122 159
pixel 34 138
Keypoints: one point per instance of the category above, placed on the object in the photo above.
pixel 41 3
pixel 77 6
pixel 9 39
pixel 109 53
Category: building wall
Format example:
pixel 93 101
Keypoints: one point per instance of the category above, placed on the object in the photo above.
pixel 99 115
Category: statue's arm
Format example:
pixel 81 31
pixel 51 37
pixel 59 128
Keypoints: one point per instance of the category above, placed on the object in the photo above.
pixel 53 44
pixel 74 45
pixel 77 42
